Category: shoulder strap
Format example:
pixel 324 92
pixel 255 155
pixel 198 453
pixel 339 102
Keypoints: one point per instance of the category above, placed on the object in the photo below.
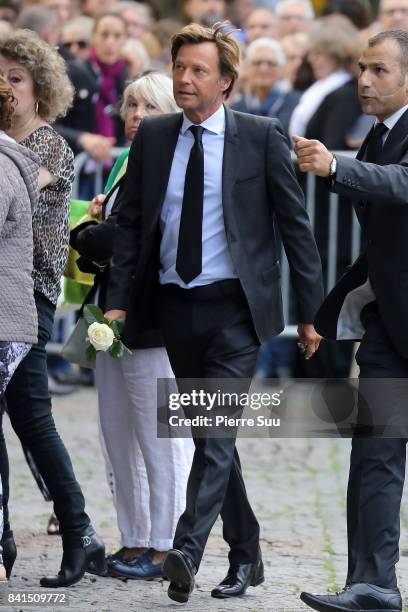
pixel 90 296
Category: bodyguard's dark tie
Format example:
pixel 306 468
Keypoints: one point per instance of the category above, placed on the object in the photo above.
pixel 375 143
pixel 189 249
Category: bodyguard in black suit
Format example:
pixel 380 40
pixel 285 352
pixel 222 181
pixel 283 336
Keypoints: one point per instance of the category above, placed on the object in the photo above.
pixel 195 252
pixel 370 303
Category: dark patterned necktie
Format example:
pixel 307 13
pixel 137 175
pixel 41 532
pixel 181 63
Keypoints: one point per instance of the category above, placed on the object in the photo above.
pixel 189 248
pixel 375 143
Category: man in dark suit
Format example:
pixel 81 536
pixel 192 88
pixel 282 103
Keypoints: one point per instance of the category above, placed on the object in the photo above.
pixel 196 237
pixel 370 302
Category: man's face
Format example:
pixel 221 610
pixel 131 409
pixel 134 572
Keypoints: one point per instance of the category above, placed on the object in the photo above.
pixel 382 88
pixel 263 69
pixel 136 26
pixel 294 18
pixel 205 12
pixel 261 23
pixel 198 86
pixel 394 15
pixel 61 8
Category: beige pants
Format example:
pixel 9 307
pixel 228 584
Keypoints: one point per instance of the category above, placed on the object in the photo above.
pixel 147 475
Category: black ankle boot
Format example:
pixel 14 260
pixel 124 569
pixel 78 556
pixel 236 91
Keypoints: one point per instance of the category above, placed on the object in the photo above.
pixel 78 553
pixel 9 551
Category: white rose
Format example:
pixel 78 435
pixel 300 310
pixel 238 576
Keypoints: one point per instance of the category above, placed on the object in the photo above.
pixel 100 336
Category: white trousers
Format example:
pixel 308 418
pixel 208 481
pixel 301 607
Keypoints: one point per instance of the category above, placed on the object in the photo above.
pixel 147 475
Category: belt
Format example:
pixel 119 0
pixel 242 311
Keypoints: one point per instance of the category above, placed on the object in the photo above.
pixel 213 291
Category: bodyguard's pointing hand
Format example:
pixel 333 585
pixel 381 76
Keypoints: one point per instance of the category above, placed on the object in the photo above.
pixel 312 156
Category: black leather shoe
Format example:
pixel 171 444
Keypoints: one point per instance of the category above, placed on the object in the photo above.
pixel 78 553
pixel 9 551
pixel 97 570
pixel 238 579
pixel 359 597
pixel 180 570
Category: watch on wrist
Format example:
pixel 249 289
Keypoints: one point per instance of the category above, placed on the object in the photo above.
pixel 333 167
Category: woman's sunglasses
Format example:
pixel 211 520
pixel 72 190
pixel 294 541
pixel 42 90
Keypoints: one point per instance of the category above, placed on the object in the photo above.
pixel 81 44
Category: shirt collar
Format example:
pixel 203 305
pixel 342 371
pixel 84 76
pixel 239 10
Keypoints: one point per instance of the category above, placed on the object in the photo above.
pixel 215 123
pixel 391 121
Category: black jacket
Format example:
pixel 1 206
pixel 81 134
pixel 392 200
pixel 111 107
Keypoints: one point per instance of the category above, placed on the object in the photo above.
pixel 81 116
pixel 335 117
pixel 94 243
pixel 259 191
pixel 380 196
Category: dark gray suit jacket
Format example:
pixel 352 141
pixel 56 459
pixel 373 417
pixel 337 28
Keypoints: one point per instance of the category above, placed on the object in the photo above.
pixel 259 190
pixel 380 195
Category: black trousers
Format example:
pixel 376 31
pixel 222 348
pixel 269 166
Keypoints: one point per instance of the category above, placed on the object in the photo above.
pixel 29 409
pixel 212 336
pixel 377 465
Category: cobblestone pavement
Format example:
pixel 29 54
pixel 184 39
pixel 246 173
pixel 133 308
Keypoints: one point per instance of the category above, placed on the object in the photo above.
pixel 297 488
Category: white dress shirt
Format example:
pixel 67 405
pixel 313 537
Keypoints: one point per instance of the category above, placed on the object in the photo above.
pixel 216 260
pixel 392 120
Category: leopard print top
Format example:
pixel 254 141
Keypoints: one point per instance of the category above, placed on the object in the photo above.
pixel 51 216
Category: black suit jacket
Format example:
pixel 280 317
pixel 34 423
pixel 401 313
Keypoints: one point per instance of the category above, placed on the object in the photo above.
pixel 80 117
pixel 335 117
pixel 380 195
pixel 94 243
pixel 259 189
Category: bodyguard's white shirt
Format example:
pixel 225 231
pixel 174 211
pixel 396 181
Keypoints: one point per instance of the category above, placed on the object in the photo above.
pixel 216 259
pixel 391 121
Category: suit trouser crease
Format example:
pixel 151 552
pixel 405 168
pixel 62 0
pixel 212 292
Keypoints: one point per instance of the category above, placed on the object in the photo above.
pixel 377 466
pixel 207 340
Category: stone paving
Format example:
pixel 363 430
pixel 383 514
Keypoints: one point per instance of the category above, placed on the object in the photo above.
pixel 297 488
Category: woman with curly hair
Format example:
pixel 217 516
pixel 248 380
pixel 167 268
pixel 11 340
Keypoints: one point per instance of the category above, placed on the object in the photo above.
pixel 38 79
pixel 18 196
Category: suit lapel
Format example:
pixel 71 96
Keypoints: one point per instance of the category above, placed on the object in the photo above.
pixel 362 149
pixel 391 152
pixel 230 162
pixel 165 147
pixel 393 143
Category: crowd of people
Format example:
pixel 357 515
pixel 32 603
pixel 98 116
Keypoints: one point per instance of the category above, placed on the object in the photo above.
pixel 296 65
pixel 79 77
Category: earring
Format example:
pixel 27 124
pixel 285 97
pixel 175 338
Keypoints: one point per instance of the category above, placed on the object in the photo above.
pixel 36 108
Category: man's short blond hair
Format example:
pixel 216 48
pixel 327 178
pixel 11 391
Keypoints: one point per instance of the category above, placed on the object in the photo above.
pixel 227 47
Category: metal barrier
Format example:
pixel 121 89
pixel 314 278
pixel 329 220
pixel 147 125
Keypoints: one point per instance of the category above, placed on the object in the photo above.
pixel 79 164
pixel 290 330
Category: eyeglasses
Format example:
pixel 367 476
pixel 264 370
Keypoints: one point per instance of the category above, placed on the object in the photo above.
pixel 293 18
pixel 81 44
pixel 269 63
pixel 390 12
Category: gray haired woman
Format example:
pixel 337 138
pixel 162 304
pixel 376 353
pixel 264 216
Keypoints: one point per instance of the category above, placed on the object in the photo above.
pixel 18 196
